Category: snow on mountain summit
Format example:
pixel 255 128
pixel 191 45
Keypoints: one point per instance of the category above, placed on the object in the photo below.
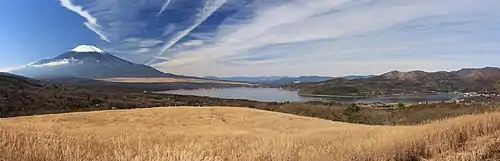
pixel 88 48
pixel 87 61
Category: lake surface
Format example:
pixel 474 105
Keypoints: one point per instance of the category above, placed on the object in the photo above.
pixel 281 95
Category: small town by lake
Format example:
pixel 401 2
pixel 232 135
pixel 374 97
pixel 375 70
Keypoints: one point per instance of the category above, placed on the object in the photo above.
pixel 282 95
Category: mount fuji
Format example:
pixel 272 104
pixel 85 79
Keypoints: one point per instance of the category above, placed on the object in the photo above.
pixel 87 61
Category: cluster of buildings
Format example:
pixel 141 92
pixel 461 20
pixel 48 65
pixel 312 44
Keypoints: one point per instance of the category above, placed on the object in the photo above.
pixel 475 94
pixel 469 98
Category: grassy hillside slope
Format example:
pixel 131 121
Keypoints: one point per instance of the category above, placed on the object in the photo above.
pixel 220 133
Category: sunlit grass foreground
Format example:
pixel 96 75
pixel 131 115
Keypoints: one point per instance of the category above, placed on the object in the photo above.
pixel 219 133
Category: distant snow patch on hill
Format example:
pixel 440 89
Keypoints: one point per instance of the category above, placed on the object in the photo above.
pixel 53 63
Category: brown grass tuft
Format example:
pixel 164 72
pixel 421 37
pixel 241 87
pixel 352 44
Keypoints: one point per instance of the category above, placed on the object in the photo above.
pixel 219 133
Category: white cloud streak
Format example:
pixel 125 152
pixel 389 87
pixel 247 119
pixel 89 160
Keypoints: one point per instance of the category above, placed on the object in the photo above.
pixel 209 7
pixel 91 21
pixel 52 64
pixel 192 43
pixel 163 8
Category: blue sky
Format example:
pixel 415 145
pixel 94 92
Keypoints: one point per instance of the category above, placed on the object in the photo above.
pixel 259 37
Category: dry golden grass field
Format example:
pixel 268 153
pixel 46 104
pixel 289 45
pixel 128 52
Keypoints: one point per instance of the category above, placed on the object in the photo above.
pixel 241 134
pixel 170 80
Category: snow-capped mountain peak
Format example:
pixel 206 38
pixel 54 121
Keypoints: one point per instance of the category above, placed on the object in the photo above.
pixel 88 48
pixel 87 61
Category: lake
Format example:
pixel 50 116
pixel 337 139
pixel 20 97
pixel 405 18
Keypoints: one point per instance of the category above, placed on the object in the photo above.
pixel 281 95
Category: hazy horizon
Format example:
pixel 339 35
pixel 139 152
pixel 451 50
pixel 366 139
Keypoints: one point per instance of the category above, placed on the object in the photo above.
pixel 227 38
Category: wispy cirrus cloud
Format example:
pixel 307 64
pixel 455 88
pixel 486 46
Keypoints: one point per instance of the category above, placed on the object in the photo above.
pixel 127 25
pixel 207 9
pixel 163 8
pixel 192 43
pixel 91 21
pixel 359 32
pixel 324 37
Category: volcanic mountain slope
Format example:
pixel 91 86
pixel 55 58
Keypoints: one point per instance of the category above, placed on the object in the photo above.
pixel 10 82
pixel 86 61
pixel 413 82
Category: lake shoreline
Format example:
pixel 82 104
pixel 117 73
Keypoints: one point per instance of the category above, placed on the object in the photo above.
pixel 365 97
pixel 286 95
pixel 331 96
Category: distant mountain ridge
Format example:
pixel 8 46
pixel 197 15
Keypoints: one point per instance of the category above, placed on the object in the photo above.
pixel 87 61
pixel 246 79
pixel 487 73
pixel 413 82
pixel 282 79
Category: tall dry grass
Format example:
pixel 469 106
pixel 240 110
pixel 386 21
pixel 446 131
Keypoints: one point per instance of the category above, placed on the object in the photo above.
pixel 218 133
